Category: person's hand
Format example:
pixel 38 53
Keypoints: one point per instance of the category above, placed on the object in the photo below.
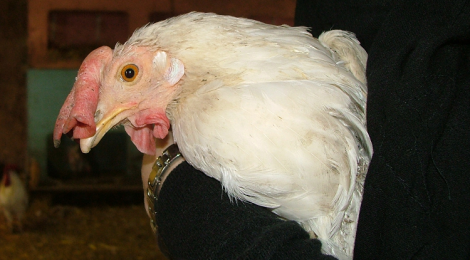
pixel 149 160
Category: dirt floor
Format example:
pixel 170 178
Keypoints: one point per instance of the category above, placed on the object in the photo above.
pixel 62 227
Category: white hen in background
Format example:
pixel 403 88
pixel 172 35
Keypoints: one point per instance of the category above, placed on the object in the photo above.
pixel 13 197
pixel 273 113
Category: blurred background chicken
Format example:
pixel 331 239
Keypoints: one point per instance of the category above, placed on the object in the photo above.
pixel 277 116
pixel 13 197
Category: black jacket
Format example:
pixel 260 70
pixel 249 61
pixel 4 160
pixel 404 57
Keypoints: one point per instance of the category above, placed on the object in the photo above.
pixel 416 202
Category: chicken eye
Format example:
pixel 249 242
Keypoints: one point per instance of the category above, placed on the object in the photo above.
pixel 129 72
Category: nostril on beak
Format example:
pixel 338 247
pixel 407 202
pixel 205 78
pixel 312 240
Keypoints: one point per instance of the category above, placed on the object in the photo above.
pixel 97 115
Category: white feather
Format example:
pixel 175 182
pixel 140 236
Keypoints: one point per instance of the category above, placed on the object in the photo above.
pixel 274 114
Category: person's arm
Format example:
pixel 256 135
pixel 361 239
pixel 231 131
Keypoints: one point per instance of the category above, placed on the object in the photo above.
pixel 197 220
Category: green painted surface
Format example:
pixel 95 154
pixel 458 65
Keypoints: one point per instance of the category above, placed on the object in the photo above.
pixel 47 90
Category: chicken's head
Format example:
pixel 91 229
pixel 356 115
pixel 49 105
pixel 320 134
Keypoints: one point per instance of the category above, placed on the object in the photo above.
pixel 132 86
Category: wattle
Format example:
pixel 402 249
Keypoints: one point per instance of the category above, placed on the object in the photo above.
pixel 142 137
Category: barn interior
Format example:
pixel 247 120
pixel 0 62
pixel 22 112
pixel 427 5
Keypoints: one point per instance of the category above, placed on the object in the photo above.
pixel 81 206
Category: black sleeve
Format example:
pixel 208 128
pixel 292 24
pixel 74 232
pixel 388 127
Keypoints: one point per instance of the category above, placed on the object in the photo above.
pixel 197 220
pixel 417 197
pixel 362 17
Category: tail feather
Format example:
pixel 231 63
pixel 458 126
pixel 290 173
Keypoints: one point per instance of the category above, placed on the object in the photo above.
pixel 347 49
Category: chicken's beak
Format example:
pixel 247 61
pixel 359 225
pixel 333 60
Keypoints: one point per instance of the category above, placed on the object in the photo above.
pixel 113 118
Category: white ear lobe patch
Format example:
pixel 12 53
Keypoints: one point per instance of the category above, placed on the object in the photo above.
pixel 174 73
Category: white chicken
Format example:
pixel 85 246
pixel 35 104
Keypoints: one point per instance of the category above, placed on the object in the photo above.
pixel 13 197
pixel 277 116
